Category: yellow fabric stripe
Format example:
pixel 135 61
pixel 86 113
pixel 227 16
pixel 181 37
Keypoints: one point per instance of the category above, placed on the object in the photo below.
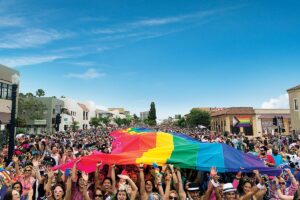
pixel 161 153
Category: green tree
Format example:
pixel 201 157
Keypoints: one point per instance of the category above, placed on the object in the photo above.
pixel 75 125
pixel 181 122
pixel 152 115
pixel 20 122
pixel 40 93
pixel 29 109
pixel 135 119
pixel 127 121
pixel 118 121
pixel 198 117
pixel 29 94
pixel 104 120
pixel 95 122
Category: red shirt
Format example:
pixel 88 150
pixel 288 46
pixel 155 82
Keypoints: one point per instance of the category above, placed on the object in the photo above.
pixel 267 158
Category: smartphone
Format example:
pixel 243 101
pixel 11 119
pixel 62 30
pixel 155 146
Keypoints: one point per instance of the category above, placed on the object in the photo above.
pixel 67 172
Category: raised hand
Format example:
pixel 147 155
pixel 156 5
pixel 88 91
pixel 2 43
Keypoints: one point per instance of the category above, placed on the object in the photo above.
pixel 123 176
pixel 15 159
pixel 99 164
pixel 288 171
pixel 171 167
pixel 85 176
pixel 213 172
pixel 164 167
pixel 50 174
pixel 256 172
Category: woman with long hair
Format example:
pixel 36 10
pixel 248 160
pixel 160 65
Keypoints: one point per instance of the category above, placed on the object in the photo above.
pixel 247 190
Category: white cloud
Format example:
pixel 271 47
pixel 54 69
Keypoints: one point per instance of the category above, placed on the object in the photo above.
pixel 83 63
pixel 11 21
pixel 30 38
pixel 28 60
pixel 177 19
pixel 280 102
pixel 109 31
pixel 89 74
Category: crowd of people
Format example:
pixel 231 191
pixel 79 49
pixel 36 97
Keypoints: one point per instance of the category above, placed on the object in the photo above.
pixel 30 175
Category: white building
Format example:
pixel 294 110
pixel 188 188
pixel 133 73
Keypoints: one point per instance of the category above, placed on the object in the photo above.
pixel 74 111
pixel 144 115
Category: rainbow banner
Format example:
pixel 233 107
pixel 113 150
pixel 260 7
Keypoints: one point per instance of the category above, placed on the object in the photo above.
pixel 139 145
pixel 241 121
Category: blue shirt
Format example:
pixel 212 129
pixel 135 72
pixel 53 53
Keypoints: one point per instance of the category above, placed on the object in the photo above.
pixel 278 159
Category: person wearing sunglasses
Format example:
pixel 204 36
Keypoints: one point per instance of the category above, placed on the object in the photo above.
pixel 98 194
pixel 279 191
pixel 26 179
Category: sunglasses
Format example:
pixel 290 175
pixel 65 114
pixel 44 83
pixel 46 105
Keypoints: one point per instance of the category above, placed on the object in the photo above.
pixel 175 198
pixel 27 170
pixel 98 195
pixel 282 183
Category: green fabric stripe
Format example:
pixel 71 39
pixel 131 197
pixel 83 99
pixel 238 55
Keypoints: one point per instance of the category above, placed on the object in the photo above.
pixel 185 153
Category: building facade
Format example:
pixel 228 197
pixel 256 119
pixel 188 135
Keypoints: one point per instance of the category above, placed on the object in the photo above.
pixel 45 121
pixel 252 122
pixel 103 113
pixel 294 98
pixel 270 121
pixel 144 115
pixel 75 112
pixel 234 120
pixel 6 76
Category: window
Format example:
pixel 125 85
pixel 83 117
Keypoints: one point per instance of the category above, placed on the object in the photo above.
pixel 4 91
pixel 83 115
pixel 86 116
pixel 9 92
pixel 296 107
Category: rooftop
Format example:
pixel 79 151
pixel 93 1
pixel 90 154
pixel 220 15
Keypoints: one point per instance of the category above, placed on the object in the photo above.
pixel 84 108
pixel 294 88
pixel 234 111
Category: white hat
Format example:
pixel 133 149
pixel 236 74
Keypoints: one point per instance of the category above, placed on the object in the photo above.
pixel 228 187
pixel 193 187
pixel 19 136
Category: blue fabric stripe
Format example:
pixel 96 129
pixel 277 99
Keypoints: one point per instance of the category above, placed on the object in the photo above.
pixel 209 155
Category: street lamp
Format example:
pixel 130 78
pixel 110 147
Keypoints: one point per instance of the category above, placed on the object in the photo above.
pixel 12 127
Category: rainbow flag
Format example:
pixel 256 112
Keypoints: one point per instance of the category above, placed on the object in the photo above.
pixel 241 121
pixel 139 145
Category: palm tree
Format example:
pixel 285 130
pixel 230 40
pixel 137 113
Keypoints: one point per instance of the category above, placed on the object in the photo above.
pixel 40 93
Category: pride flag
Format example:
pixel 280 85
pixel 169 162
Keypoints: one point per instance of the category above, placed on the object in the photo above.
pixel 242 121
pixel 139 145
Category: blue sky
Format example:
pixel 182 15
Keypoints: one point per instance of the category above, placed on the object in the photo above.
pixel 179 54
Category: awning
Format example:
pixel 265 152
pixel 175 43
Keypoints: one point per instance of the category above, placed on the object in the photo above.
pixel 271 116
pixel 4 118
